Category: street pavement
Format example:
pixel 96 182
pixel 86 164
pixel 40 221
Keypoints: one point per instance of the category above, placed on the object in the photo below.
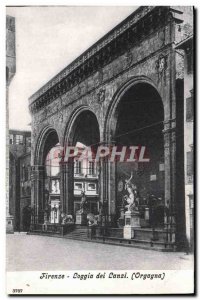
pixel 36 253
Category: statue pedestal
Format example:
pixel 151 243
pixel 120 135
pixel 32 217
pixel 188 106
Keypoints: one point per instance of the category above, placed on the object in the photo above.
pixel 81 218
pixel 132 220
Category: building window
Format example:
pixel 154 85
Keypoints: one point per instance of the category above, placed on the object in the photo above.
pixel 77 167
pixel 91 168
pixel 28 191
pixel 190 166
pixel 23 173
pixel 29 172
pixel 78 186
pixel 26 173
pixel 91 187
pixel 19 139
pixel 11 139
pixel 28 141
pixel 190 108
pixel 189 58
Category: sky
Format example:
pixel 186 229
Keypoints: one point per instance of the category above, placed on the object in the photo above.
pixel 47 40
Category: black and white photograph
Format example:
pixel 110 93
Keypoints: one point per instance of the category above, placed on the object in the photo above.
pixel 100 150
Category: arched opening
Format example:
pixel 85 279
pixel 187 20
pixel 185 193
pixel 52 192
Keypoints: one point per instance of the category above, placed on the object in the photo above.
pixel 139 119
pixel 48 183
pixel 83 133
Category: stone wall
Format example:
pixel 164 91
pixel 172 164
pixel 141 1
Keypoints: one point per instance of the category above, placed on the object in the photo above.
pixel 149 59
pixel 10 48
pixel 99 89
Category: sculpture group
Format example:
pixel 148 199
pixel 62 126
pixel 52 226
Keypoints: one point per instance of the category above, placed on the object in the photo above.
pixel 131 198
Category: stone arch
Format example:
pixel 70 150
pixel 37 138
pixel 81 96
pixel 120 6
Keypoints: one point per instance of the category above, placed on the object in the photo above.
pixel 76 131
pixel 68 134
pixel 111 115
pixel 41 142
pixel 110 128
pixel 47 139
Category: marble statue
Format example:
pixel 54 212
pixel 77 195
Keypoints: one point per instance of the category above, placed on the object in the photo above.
pixel 92 219
pixel 66 218
pixel 132 193
pixel 55 187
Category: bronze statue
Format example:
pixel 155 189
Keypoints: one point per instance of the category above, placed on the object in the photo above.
pixel 83 202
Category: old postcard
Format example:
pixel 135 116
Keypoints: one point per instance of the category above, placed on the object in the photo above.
pixel 100 143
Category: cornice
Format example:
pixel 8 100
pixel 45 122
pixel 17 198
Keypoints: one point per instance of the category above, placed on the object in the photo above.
pixel 137 26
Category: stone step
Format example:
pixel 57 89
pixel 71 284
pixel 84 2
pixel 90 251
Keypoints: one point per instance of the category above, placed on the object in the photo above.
pixel 141 244
pixel 153 245
pixel 76 235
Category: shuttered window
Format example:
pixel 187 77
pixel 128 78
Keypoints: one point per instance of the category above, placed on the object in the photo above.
pixel 190 163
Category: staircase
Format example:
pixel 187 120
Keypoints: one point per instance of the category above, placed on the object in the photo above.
pixel 79 233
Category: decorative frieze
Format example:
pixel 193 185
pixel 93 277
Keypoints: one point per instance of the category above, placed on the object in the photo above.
pixel 119 41
pixel 129 58
pixel 161 66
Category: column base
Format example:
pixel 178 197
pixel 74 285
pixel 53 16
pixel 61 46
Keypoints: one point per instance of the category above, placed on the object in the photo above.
pixel 9 224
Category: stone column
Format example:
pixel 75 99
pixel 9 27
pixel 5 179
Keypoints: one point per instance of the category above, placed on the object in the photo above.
pixel 170 172
pixel 104 183
pixel 67 182
pixel 108 182
pixel 37 197
pixel 62 187
pixel 112 187
pixel 103 189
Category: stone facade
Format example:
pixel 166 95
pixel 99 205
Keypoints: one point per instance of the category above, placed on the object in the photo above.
pixel 10 72
pixel 138 52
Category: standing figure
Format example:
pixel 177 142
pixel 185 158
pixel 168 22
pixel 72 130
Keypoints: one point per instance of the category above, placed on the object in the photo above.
pixel 26 217
pixel 83 202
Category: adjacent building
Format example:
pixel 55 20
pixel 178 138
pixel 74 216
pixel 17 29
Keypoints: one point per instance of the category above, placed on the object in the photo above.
pixel 86 179
pixel 187 45
pixel 19 177
pixel 10 72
